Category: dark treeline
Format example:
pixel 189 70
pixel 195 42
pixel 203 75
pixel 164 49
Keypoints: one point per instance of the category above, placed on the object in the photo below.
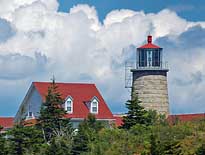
pixel 143 132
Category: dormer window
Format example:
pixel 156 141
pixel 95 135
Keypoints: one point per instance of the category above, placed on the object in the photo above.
pixel 94 105
pixel 69 105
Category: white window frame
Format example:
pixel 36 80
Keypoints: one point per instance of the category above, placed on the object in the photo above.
pixel 69 99
pixel 28 116
pixel 94 100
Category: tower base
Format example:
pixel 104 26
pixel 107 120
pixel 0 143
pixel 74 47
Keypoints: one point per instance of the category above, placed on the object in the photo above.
pixel 151 88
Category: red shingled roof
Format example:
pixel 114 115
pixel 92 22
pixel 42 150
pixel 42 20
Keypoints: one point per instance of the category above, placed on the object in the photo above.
pixel 149 44
pixel 6 122
pixel 185 117
pixel 118 120
pixel 171 118
pixel 80 93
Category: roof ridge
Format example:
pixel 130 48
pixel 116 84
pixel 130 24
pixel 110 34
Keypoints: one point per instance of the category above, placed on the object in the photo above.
pixel 64 83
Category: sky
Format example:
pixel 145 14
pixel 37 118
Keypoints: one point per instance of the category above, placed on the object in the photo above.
pixel 90 41
pixel 189 10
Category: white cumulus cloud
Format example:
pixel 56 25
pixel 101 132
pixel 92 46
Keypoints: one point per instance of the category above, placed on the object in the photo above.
pixel 77 47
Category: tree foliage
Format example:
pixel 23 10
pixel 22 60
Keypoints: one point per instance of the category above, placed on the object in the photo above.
pixel 201 149
pixel 113 142
pixel 3 147
pixel 59 146
pixel 86 134
pixel 23 139
pixel 51 120
pixel 137 114
pixel 144 132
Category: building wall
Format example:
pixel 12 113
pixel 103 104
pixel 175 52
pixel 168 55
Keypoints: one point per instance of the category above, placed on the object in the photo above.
pixel 151 88
pixel 32 103
pixel 106 123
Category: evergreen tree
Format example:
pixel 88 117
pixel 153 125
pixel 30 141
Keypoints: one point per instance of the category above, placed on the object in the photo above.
pixel 51 120
pixel 3 150
pixel 136 114
pixel 87 133
pixel 24 139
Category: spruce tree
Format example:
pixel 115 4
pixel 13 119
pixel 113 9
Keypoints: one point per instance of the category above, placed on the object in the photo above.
pixel 22 139
pixel 136 114
pixel 51 120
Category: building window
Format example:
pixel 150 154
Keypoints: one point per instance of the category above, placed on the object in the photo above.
pixel 94 106
pixel 29 115
pixel 69 105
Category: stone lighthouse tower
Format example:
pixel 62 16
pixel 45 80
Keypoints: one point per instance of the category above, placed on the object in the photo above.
pixel 150 78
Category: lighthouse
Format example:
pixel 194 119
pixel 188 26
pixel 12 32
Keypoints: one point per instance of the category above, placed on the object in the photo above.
pixel 149 78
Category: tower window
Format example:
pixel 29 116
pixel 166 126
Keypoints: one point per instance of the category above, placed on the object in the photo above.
pixel 149 58
pixel 156 58
pixel 142 58
pixel 69 105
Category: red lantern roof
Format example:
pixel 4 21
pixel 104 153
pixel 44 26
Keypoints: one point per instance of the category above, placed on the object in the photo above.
pixel 149 44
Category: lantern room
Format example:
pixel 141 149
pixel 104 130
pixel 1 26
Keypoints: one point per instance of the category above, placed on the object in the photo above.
pixel 149 56
pixel 149 78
